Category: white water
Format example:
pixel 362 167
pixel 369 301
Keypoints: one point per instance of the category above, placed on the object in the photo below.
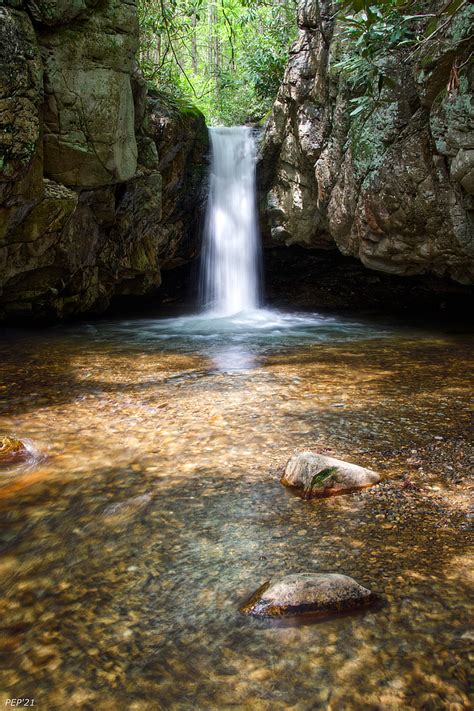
pixel 230 267
pixel 233 331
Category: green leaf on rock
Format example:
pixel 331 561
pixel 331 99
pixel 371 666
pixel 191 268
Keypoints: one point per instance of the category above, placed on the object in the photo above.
pixel 319 478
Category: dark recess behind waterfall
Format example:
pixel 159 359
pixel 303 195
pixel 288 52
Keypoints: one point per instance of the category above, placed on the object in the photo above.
pixel 319 280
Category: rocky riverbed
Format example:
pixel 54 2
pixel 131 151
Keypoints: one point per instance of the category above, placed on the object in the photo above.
pixel 157 510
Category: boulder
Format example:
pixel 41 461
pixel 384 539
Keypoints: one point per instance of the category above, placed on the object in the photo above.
pixel 392 188
pixel 89 118
pixel 308 593
pixel 12 451
pixel 318 476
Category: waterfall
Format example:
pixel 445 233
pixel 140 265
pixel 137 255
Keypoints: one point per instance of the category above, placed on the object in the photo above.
pixel 230 265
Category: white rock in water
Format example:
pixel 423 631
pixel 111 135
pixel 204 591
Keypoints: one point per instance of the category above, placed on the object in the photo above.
pixel 318 475
pixel 308 593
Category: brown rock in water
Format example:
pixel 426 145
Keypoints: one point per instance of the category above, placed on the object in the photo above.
pixel 308 593
pixel 319 476
pixel 121 512
pixel 11 451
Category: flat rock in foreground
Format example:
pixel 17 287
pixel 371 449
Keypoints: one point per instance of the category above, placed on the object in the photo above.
pixel 308 593
pixel 317 475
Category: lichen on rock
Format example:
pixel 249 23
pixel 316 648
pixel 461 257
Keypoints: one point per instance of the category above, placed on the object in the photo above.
pixel 100 186
pixel 393 187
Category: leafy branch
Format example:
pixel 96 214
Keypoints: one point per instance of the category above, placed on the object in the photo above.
pixel 371 35
pixel 318 480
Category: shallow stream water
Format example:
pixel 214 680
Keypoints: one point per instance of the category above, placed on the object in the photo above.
pixel 153 507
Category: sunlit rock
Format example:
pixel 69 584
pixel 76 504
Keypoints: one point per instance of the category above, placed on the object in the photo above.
pixel 317 475
pixel 393 190
pixel 308 593
pixel 11 451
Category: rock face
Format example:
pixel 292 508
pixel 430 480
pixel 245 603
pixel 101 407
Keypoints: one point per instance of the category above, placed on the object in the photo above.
pixel 308 593
pixel 394 188
pixel 183 141
pixel 95 197
pixel 89 137
pixel 318 476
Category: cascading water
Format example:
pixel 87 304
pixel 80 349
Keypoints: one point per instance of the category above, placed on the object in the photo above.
pixel 233 328
pixel 230 269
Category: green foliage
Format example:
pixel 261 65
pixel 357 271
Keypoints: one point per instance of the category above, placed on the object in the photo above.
pixel 227 56
pixel 375 38
pixel 319 479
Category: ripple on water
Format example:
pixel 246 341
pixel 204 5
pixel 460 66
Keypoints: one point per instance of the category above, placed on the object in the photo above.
pixel 159 510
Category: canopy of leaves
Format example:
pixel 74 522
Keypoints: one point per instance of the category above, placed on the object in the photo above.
pixel 227 56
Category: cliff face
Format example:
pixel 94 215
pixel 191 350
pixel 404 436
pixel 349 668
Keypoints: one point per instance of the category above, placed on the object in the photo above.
pixel 100 185
pixel 395 189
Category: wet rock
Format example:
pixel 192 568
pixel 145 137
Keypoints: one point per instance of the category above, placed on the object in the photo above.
pixel 11 451
pixel 308 593
pixel 20 97
pixel 317 475
pixel 100 185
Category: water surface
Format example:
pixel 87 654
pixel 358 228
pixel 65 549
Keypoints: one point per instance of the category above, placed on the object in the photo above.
pixel 153 508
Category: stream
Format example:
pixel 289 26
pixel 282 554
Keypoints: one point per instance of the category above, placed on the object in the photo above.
pixel 151 507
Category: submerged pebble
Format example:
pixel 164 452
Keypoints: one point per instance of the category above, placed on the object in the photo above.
pixel 121 512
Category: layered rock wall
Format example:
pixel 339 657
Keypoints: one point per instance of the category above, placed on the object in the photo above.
pixel 394 188
pixel 97 179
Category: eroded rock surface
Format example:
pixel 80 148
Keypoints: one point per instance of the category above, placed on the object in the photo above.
pixel 394 189
pixel 89 137
pixel 317 475
pixel 94 198
pixel 21 84
pixel 181 138
pixel 308 593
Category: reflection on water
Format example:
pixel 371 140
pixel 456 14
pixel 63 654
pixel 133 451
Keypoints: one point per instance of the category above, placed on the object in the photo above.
pixel 233 342
pixel 157 508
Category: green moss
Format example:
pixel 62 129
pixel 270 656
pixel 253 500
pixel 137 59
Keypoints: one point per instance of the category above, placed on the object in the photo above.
pixel 177 106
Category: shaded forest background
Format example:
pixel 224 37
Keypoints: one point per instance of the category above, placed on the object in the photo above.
pixel 228 57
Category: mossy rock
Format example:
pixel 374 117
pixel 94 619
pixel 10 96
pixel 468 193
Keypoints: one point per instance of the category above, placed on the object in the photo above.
pixel 316 475
pixel 12 451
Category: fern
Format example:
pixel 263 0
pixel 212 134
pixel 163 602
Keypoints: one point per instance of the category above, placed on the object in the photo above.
pixel 319 478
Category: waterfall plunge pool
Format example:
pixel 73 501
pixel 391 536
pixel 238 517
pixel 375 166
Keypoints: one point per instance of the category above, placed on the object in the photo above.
pixel 153 506
pixel 157 507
